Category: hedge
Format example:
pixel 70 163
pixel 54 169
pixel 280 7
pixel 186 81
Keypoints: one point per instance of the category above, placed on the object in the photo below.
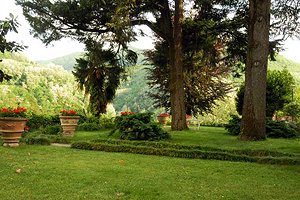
pixel 183 153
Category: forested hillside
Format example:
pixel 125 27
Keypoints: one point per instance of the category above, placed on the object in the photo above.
pixel 281 63
pixel 42 89
pixel 67 61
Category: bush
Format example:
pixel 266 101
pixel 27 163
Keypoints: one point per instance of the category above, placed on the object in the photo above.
pixel 184 153
pixel 87 126
pixel 36 122
pixel 52 130
pixel 107 121
pixel 234 125
pixel 39 139
pixel 139 127
pixel 274 129
pixel 279 92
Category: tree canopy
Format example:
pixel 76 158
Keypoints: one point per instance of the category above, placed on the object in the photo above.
pixel 7 25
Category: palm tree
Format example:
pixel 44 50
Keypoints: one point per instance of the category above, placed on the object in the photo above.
pixel 99 73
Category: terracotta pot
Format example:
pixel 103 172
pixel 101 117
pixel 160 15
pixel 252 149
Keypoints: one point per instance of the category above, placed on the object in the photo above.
pixel 12 129
pixel 68 124
pixel 162 120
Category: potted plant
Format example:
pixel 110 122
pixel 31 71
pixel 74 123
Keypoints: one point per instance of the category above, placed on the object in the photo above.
pixel 163 118
pixel 12 124
pixel 68 121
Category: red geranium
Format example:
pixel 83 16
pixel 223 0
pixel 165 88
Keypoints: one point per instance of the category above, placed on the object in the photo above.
pixel 164 115
pixel 68 112
pixel 127 113
pixel 13 112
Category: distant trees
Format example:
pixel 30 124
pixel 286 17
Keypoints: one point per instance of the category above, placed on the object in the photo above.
pixel 41 89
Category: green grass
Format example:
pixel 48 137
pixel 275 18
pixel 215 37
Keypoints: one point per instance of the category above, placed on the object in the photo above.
pixel 212 137
pixel 49 172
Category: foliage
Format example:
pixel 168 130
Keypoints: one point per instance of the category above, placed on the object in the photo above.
pixel 36 122
pixel 132 93
pixel 99 74
pixel 204 71
pixel 39 139
pixel 279 92
pixel 43 90
pixel 13 112
pixel 87 126
pixel 281 129
pixel 233 126
pixel 292 109
pixel 107 121
pixel 139 127
pixel 182 153
pixel 52 130
pixel 274 129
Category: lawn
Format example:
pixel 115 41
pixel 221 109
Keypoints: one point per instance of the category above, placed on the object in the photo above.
pixel 48 172
pixel 212 137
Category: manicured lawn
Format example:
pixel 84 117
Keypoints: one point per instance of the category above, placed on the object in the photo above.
pixel 212 137
pixel 49 172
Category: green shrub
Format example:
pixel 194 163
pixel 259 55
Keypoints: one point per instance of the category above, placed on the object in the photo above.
pixel 39 139
pixel 279 92
pixel 52 130
pixel 233 127
pixel 139 127
pixel 274 129
pixel 169 145
pixel 183 153
pixel 107 121
pixel 87 126
pixel 41 121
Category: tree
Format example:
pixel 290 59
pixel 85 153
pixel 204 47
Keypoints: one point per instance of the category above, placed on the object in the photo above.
pixel 279 92
pixel 254 110
pixel 113 21
pixel 204 81
pixel 176 72
pixel 99 74
pixel 10 24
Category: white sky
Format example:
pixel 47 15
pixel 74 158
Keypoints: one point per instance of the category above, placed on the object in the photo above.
pixel 38 51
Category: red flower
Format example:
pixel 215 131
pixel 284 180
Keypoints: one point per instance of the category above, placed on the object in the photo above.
pixel 16 112
pixel 67 112
pixel 26 128
pixel 4 110
pixel 164 115
pixel 127 113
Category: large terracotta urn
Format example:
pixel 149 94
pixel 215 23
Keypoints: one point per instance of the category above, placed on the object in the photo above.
pixel 162 120
pixel 12 129
pixel 68 124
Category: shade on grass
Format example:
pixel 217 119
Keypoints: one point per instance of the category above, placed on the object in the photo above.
pixel 49 172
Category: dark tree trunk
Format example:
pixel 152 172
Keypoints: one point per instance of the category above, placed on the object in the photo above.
pixel 253 125
pixel 176 72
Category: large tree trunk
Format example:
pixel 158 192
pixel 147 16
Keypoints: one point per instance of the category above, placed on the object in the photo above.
pixel 253 125
pixel 176 72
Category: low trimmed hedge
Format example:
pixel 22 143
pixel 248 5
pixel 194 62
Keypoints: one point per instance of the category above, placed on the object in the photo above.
pixel 204 153
pixel 153 144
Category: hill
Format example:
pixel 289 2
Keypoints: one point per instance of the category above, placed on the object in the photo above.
pixel 281 63
pixel 67 61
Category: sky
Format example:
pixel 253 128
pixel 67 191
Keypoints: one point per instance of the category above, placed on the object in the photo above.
pixel 38 51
